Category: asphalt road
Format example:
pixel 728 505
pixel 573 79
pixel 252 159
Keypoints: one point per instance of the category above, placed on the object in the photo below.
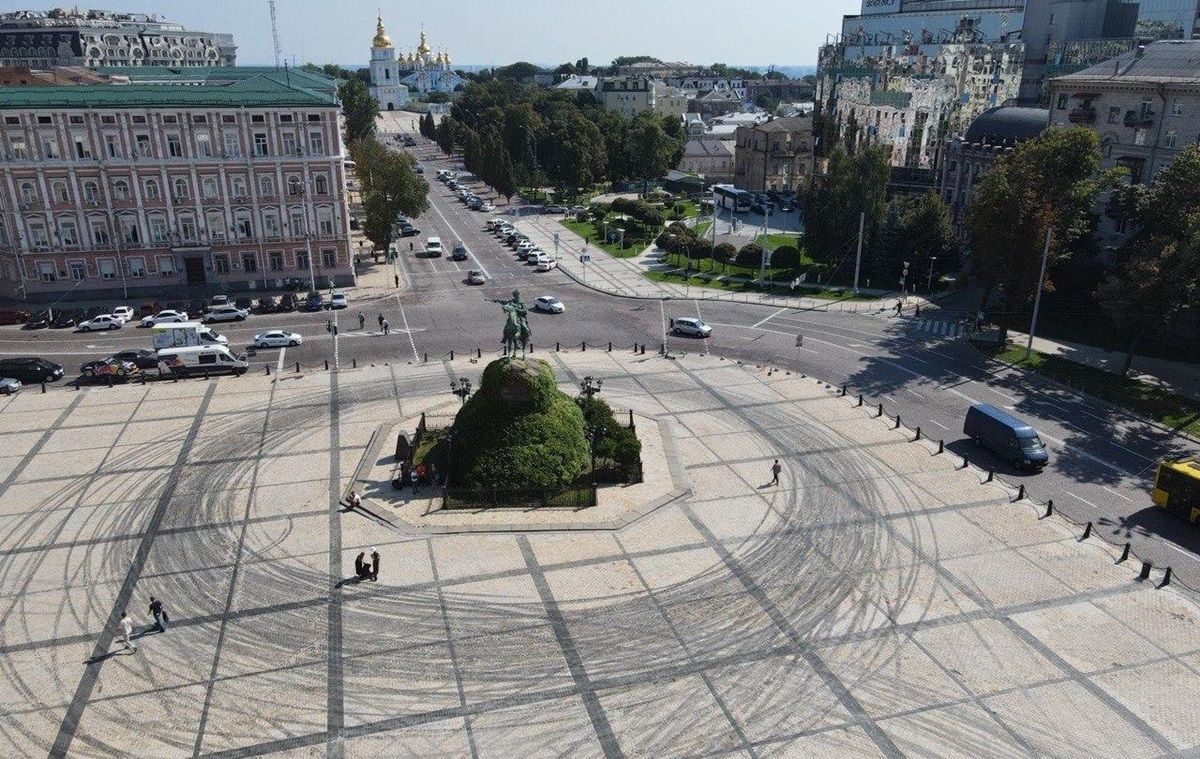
pixel 1102 459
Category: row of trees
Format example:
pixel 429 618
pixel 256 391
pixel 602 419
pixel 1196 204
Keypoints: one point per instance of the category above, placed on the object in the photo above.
pixel 514 135
pixel 681 240
pixel 390 185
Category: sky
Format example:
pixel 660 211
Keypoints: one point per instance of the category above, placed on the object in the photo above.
pixel 759 32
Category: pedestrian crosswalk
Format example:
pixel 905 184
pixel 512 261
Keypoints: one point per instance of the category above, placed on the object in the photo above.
pixel 939 327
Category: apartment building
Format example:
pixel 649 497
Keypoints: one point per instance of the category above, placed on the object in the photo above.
pixel 774 155
pixel 230 183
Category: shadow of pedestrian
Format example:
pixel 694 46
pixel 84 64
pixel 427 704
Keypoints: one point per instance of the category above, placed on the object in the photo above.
pixel 354 580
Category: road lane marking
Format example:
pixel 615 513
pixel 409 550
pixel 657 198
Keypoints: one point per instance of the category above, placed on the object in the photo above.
pixel 1118 495
pixel 939 424
pixel 470 253
pixel 411 341
pixel 1081 498
pixel 761 322
pixel 279 363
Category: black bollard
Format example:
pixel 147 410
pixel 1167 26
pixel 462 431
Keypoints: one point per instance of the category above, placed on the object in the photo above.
pixel 880 411
pixel 451 355
pixel 478 353
pixel 353 363
pixel 631 419
pixel 941 446
pixel 1124 554
pixel 1166 578
pixel 326 364
pixel 110 381
pixel 1087 531
pixel 1020 493
pixel 918 437
pixel 268 368
pixel 1145 573
pixel 427 358
pixel 860 399
pixel 583 347
pixel 897 422
pixel 557 347
pixel 1049 507
pixel 610 347
pixel 991 476
pixel 297 367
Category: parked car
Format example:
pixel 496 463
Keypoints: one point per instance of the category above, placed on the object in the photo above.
pixel 691 326
pixel 9 385
pixel 313 301
pixel 166 316
pixel 61 319
pixel 1007 436
pixel 553 208
pixel 105 368
pixel 475 277
pixel 549 304
pixel 545 263
pixel 30 370
pixel 225 314
pixel 13 316
pixel 243 303
pixel 277 338
pixel 141 358
pixel 287 302
pixel 409 231
pixel 267 305
pixel 218 300
pixel 124 313
pixel 460 252
pixel 148 309
pixel 39 320
pixel 338 300
pixel 203 359
pixel 103 321
pixel 487 206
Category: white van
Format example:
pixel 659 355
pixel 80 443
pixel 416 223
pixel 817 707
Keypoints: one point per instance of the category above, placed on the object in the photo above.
pixel 185 335
pixel 433 247
pixel 202 359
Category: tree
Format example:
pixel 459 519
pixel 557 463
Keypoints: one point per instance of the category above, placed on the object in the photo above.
pixel 854 185
pixel 390 186
pixel 723 254
pixel 519 71
pixel 574 152
pixel 767 102
pixel 930 234
pixel 444 134
pixel 786 257
pixel 581 66
pixel 1048 183
pixel 649 148
pixel 1158 274
pixel 359 109
pixel 750 254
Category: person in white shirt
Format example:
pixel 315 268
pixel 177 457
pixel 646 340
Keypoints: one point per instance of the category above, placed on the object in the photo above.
pixel 127 630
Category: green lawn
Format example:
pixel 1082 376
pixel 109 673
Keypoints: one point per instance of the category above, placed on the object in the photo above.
pixel 779 239
pixel 702 228
pixel 587 230
pixel 1163 406
pixel 709 265
pixel 750 287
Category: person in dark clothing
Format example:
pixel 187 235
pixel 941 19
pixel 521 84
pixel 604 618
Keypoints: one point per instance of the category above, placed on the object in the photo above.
pixel 161 618
pixel 776 468
pixel 374 565
pixel 381 321
pixel 362 320
pixel 358 563
pixel 397 277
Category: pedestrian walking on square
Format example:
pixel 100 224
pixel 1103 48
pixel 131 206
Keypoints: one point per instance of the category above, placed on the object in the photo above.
pixel 387 328
pixel 397 278
pixel 161 617
pixel 127 630
pixel 381 321
pixel 899 307
pixel 362 320
pixel 414 479
pixel 776 468
pixel 359 562
pixel 410 247
pixel 374 565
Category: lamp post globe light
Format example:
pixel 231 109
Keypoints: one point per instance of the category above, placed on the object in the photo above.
pixel 462 389
pixel 590 386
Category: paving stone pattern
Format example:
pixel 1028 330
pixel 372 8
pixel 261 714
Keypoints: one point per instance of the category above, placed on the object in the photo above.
pixel 875 602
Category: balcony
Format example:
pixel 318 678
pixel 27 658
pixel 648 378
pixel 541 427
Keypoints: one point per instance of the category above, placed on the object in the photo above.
pixel 1082 116
pixel 1139 119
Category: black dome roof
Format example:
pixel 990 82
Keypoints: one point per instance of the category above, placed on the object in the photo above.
pixel 1007 125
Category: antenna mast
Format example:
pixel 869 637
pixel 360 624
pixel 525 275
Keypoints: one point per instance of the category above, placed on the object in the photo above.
pixel 275 33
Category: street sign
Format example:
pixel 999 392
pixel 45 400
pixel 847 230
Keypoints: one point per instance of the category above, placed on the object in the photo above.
pixel 584 259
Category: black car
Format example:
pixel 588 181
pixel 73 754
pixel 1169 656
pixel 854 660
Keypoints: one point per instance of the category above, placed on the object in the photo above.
pixel 64 319
pixel 267 305
pixel 287 302
pixel 37 321
pixel 313 301
pixel 243 303
pixel 409 231
pixel 141 358
pixel 30 370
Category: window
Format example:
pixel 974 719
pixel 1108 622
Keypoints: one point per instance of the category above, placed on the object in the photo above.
pixel 151 189
pixel 324 221
pixel 174 146
pixel 285 118
pixel 257 118
pixel 129 230
pixel 69 233
pixel 321 184
pixel 228 118
pixel 166 266
pixel 1114 114
pixel 249 262
pixel 260 144
pixel 108 268
pixel 221 264
pixel 239 187
pixel 275 260
pixel 170 120
pixel 82 149
pixel 302 259
pixel 329 258
pixel 208 185
pixel 120 189
pixel 139 119
pixel 244 228
pixel 187 228
pixel 181 188
pixel 266 187
pixel 203 146
pixel 78 270
pixel 46 271
pixel 1062 102
pixel 199 118
pixel 142 143
pixel 112 146
pixel 297 221
pixel 295 186
pixel 271 223
pixel 49 147
pixel 91 192
pixel 58 189
pixel 233 147
pixel 316 143
pixel 1169 138
pixel 137 267
pixel 1176 107
pixel 158 229
pixel 108 119
pixel 28 192
pixel 99 232
pixel 37 233
pixel 289 144
pixel 19 150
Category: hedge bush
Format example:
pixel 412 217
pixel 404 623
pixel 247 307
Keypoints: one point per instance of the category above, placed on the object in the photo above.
pixel 750 254
pixel 618 444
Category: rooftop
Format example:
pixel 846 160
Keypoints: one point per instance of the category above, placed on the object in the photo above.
pixel 218 87
pixel 1007 125
pixel 1165 61
pixel 787 124
pixel 707 147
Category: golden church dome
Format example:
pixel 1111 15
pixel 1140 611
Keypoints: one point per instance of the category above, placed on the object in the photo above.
pixel 423 48
pixel 381 38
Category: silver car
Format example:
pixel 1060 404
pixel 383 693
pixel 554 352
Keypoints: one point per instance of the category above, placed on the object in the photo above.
pixel 8 385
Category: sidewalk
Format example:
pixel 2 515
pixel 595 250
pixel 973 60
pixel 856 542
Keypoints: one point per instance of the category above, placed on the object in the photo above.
pixel 625 277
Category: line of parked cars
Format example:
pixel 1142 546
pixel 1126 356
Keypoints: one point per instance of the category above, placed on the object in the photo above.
pixel 457 183
pixel 525 248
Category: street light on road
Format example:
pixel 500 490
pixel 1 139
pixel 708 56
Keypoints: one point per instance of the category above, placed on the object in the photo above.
pixel 929 284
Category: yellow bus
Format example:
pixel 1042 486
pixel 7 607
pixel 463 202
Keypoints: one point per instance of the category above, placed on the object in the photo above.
pixel 1177 488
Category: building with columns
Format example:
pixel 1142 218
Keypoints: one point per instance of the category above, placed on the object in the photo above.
pixel 386 86
pixel 227 183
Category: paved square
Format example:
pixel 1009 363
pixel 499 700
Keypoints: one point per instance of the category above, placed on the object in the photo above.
pixel 875 602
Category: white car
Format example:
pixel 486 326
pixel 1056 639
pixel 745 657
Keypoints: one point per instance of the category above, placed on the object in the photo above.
pixel 225 314
pixel 165 317
pixel 549 304
pixel 338 300
pixel 487 206
pixel 103 321
pixel 524 247
pixel 277 338
pixel 545 263
pixel 687 325
pixel 124 313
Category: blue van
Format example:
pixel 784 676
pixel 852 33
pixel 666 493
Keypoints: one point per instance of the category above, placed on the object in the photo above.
pixel 1009 437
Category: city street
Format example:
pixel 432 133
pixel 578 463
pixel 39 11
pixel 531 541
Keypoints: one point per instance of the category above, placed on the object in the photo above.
pixel 1102 459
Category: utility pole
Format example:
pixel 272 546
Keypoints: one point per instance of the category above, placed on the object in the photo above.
pixel 929 283
pixel 762 266
pixel 862 221
pixel 1037 298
